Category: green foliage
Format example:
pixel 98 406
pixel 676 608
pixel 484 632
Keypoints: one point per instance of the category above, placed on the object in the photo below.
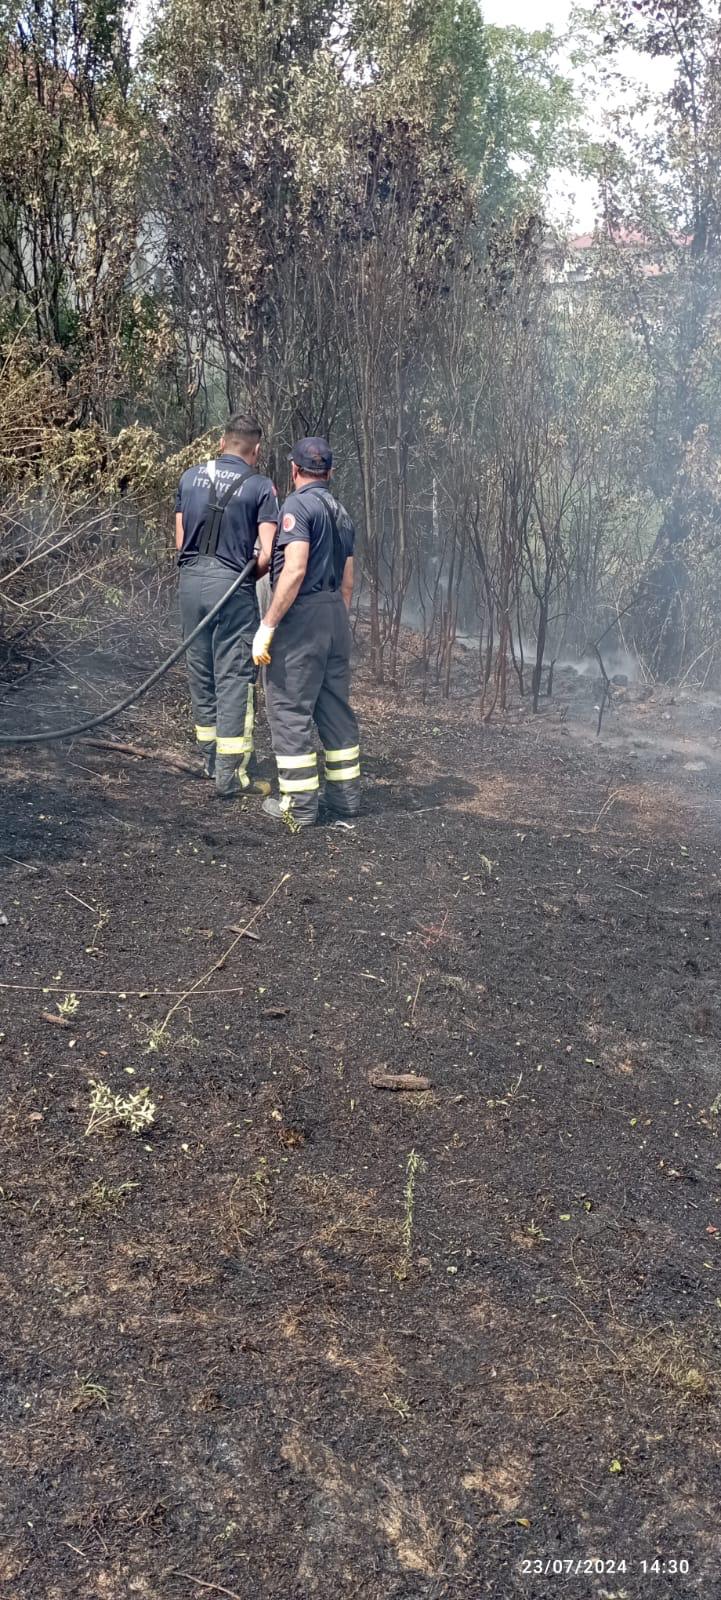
pixel 665 185
pixel 415 1165
pixel 531 117
pixel 333 216
pixel 134 1111
pixel 70 178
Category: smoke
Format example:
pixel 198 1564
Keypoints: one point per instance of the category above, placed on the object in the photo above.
pixel 618 664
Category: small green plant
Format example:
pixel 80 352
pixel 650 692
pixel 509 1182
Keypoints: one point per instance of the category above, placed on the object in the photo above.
pixel 535 1233
pixel 89 1395
pixel 414 1165
pixel 156 1039
pixel 69 1006
pixel 230 1531
pixel 103 918
pixel 102 1197
pixel 134 1111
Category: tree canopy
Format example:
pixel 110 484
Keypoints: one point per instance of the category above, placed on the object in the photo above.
pixel 336 217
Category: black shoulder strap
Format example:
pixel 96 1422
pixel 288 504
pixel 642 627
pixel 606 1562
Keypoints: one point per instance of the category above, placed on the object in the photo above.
pixel 210 531
pixel 332 578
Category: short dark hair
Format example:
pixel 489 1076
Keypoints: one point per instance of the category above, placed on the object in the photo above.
pixel 242 427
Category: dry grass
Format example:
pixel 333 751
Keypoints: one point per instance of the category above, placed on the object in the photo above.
pixel 502 1483
pixel 664 1373
pixel 345 1219
pixel 320 1338
pixel 672 1363
pixel 248 1209
pixel 351 1507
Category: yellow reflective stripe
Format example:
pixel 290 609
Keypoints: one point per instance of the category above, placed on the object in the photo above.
pixel 204 735
pixel 240 744
pixel 351 754
pixel 298 761
pixel 298 785
pixel 341 774
pixel 233 747
pixel 250 715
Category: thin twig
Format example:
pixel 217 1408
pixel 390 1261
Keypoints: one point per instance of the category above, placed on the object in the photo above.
pixel 80 902
pixel 92 772
pixel 76 1550
pixel 203 1583
pixel 118 994
pixel 17 863
pixel 221 959
pixel 102 916
pixel 607 690
pixel 73 674
pixel 612 798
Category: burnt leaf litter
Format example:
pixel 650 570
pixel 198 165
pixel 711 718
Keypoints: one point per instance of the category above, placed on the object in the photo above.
pixel 296 1336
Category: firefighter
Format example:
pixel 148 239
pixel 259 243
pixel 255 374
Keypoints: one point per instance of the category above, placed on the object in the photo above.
pixel 304 642
pixel 223 507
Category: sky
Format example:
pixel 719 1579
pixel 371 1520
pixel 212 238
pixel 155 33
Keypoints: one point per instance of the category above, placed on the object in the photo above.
pixel 527 13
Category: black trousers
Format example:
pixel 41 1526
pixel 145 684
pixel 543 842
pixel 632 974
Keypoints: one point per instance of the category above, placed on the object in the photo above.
pixel 307 686
pixel 220 666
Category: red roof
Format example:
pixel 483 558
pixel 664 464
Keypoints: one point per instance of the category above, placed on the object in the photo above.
pixel 627 236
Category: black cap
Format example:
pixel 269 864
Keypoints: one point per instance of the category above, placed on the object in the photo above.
pixel 312 455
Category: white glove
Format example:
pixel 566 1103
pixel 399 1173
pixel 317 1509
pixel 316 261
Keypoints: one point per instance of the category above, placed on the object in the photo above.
pixel 261 645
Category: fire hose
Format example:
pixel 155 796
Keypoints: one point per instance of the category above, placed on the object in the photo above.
pixel 122 705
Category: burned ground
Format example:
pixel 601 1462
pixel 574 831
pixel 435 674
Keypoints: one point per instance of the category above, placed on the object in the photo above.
pixel 227 1367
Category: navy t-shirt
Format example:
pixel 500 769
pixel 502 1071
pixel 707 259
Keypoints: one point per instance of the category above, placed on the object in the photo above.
pixel 254 501
pixel 307 515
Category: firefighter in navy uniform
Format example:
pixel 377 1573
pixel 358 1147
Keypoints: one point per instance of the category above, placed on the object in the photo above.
pixel 304 642
pixel 223 507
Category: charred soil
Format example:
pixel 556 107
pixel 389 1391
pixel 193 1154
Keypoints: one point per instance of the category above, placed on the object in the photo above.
pixel 307 1337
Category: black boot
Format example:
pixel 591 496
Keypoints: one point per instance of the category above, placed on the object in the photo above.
pixel 207 753
pixel 233 778
pixel 281 812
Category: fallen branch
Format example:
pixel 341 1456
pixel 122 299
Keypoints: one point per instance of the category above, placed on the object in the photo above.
pixel 400 1081
pixel 55 1018
pixel 168 758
